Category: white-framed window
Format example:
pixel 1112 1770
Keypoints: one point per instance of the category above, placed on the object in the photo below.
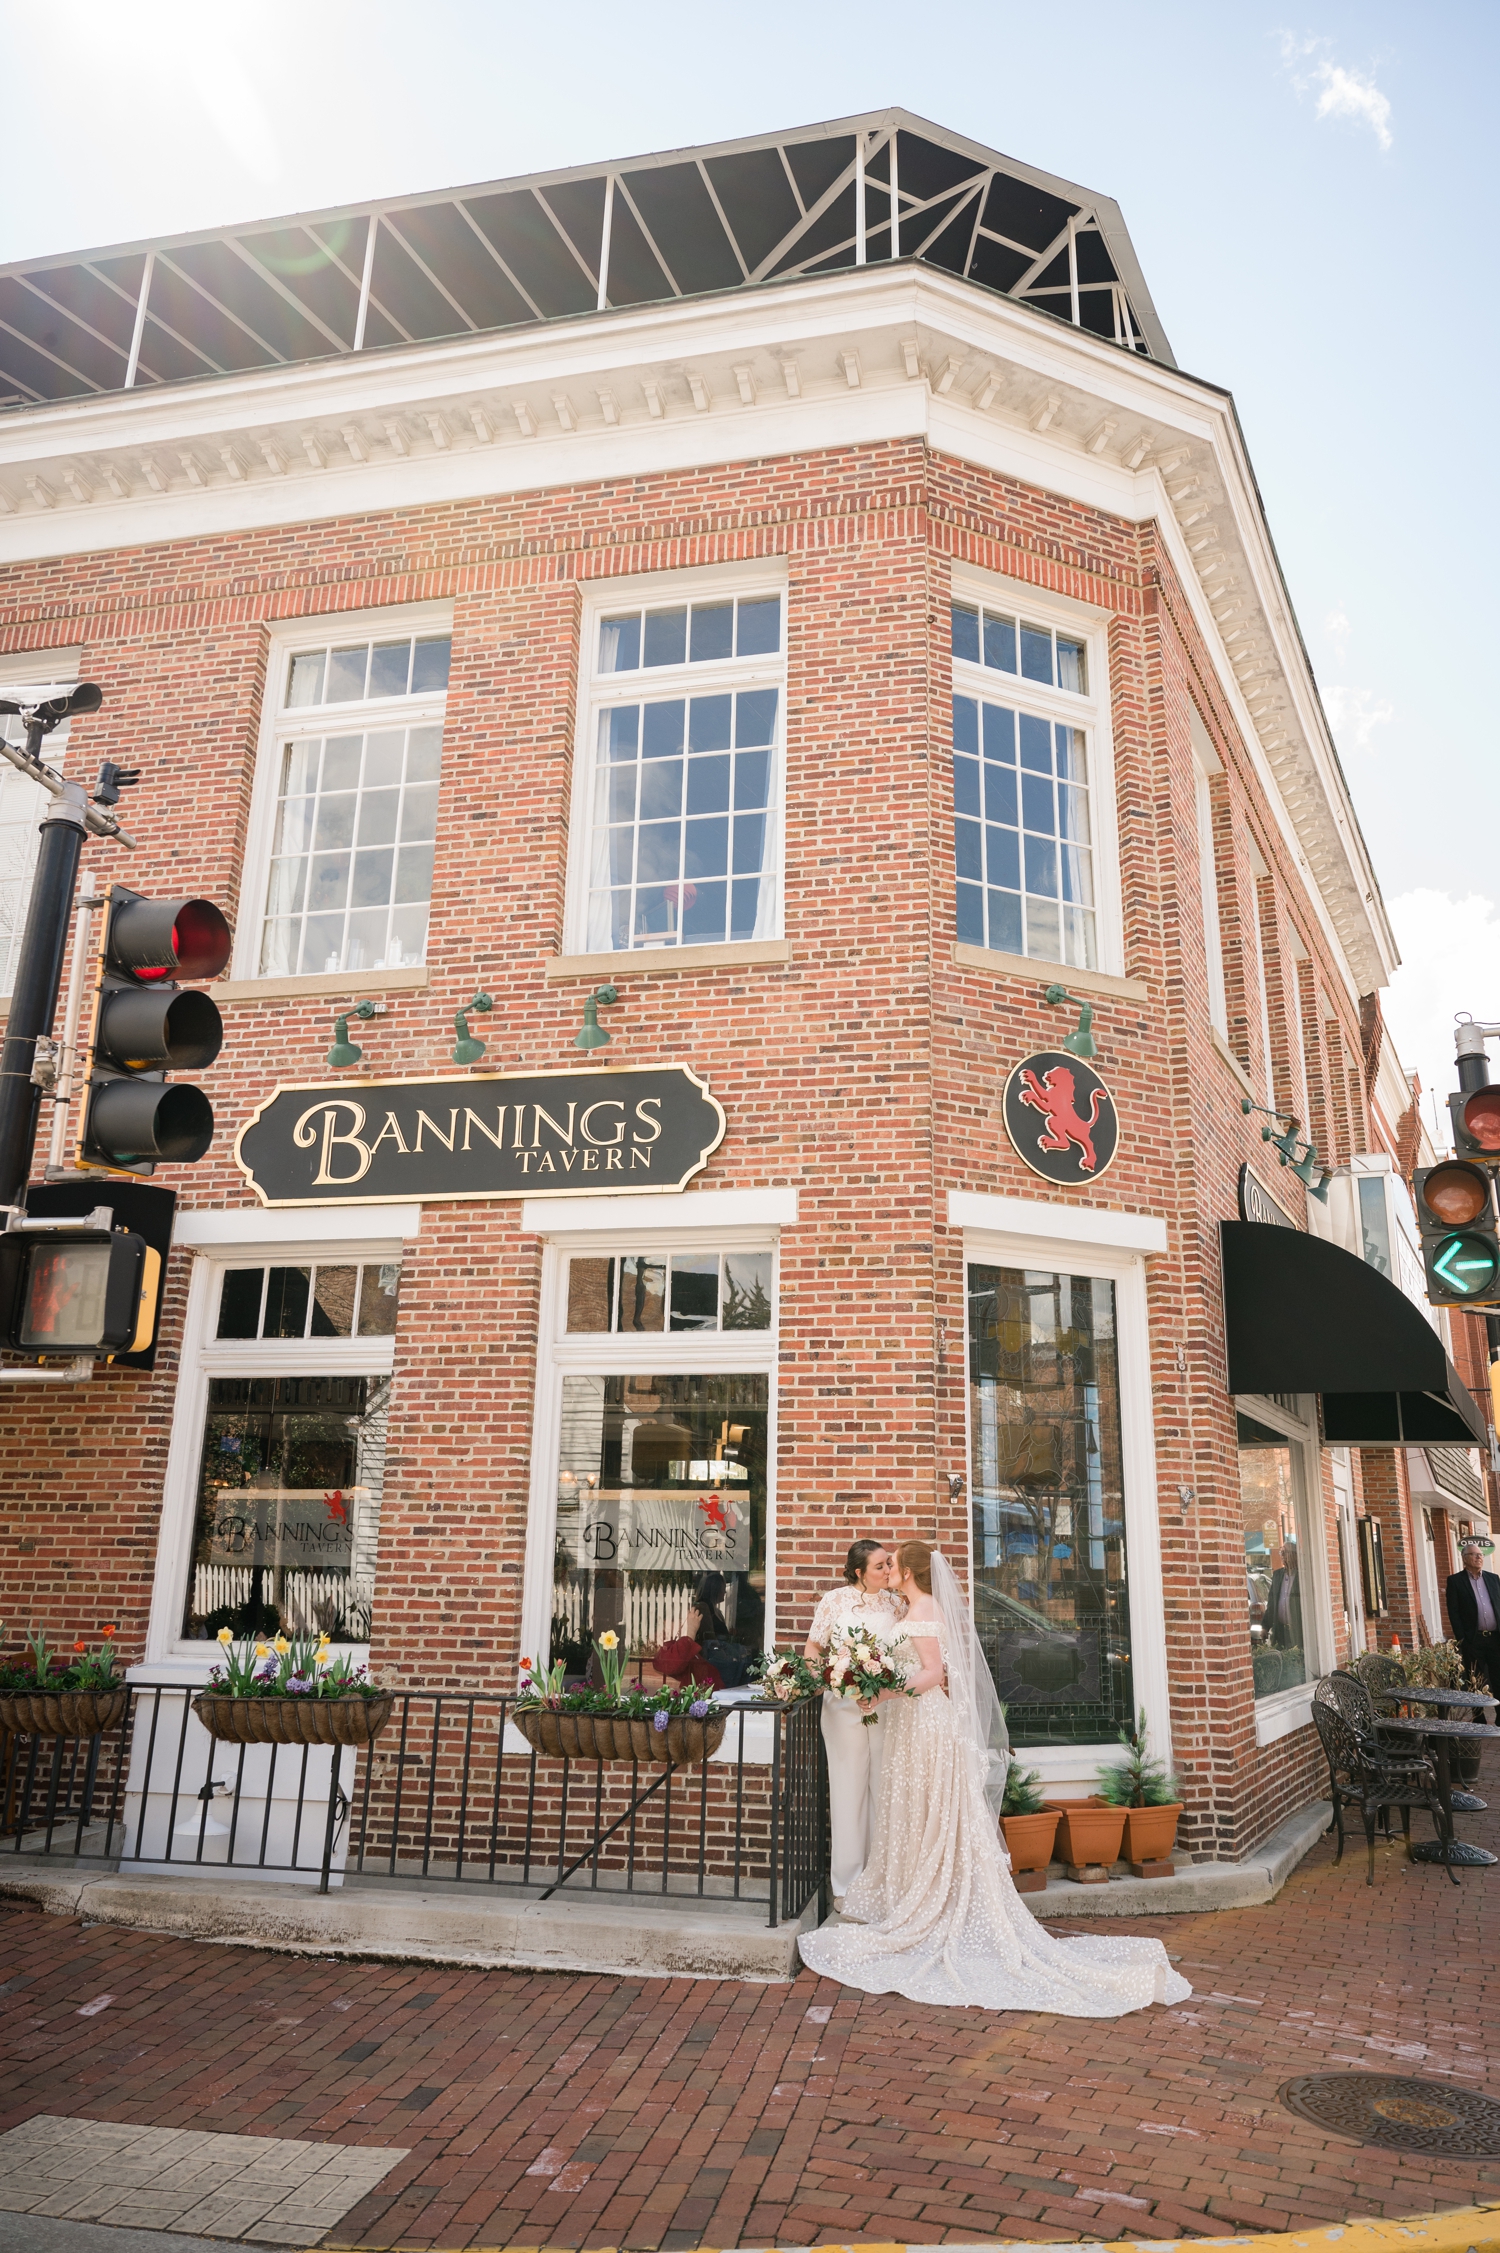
pixel 677 805
pixel 22 802
pixel 338 874
pixel 1065 1532
pixel 276 1472
pixel 1034 835
pixel 1205 766
pixel 1287 1594
pixel 654 1447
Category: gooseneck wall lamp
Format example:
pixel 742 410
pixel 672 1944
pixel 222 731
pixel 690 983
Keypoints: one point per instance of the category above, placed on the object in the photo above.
pixel 466 1049
pixel 591 1033
pixel 1080 1042
pixel 1307 1166
pixel 344 1052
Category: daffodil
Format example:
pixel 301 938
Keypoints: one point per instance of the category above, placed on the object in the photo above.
pixel 609 1640
pixel 262 1650
pixel 226 1635
pixel 281 1646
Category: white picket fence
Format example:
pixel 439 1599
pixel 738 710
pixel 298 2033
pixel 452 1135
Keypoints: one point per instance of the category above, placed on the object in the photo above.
pixel 653 1610
pixel 301 1593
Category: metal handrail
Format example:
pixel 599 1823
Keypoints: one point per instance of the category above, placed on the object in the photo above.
pixel 755 1826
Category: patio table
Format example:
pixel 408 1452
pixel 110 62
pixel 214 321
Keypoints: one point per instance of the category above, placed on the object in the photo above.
pixel 1443 1733
pixel 1464 1802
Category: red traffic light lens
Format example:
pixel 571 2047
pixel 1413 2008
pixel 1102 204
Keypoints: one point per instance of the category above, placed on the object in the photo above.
pixel 154 939
pixel 1482 1118
pixel 1455 1194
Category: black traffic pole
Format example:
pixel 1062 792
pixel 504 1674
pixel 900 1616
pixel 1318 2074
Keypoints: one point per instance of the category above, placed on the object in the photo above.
pixel 33 1004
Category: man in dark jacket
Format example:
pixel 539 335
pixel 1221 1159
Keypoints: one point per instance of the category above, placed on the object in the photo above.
pixel 1474 1615
pixel 1284 1603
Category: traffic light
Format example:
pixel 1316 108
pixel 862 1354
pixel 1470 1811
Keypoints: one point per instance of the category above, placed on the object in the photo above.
pixel 147 1024
pixel 1460 1245
pixel 1475 1113
pixel 77 1287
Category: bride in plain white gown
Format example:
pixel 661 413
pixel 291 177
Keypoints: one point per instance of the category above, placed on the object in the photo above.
pixel 934 1915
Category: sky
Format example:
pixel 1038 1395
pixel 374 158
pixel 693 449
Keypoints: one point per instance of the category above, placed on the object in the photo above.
pixel 1308 194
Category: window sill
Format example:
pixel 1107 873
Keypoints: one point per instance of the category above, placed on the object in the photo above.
pixel 1279 1715
pixel 1227 1056
pixel 663 961
pixel 341 983
pixel 1047 973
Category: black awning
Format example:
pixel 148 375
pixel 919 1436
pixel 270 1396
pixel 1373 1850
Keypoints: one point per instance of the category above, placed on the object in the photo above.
pixel 1302 1315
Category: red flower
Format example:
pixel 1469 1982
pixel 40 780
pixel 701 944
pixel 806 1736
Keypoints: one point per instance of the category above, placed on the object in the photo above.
pixel 106 1632
pixel 80 1646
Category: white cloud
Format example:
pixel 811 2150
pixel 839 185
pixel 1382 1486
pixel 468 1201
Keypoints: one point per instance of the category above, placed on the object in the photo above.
pixel 1336 627
pixel 1450 966
pixel 1340 92
pixel 1355 713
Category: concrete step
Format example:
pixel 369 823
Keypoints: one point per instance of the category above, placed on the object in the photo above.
pixel 635 1935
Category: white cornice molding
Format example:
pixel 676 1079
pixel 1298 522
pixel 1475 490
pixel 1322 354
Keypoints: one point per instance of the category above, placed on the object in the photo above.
pixel 664 387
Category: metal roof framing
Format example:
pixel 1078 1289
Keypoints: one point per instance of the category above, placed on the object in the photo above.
pixel 508 253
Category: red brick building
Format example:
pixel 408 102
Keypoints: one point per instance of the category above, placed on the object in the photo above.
pixel 836 635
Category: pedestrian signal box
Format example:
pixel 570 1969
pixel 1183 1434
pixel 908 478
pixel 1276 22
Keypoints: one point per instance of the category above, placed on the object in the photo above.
pixel 77 1288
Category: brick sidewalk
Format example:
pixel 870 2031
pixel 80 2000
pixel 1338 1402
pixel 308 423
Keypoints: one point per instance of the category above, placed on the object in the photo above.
pixel 548 2109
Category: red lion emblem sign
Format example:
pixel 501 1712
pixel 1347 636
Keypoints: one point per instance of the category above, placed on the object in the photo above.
pixel 1061 1118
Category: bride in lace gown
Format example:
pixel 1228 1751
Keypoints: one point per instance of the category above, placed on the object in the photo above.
pixel 934 1915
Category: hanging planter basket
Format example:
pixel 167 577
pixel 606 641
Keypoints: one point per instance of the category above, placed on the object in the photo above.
pixel 62 1713
pixel 293 1721
pixel 611 1736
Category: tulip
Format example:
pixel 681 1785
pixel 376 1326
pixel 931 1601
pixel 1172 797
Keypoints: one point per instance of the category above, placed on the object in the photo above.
pixel 106 1632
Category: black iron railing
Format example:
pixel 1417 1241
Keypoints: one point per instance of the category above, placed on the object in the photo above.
pixel 449 1794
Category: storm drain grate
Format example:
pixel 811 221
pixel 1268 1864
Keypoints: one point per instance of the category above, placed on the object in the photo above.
pixel 1398 2112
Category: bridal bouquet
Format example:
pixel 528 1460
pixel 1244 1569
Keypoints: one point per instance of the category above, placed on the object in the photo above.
pixel 860 1664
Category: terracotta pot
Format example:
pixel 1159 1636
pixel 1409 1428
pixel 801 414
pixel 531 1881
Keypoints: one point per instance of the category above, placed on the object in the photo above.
pixel 1088 1832
pixel 293 1721
pixel 1150 1832
pixel 1029 1839
pixel 62 1713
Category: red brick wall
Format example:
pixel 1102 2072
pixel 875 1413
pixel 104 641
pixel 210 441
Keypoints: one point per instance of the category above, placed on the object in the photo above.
pixel 868 1072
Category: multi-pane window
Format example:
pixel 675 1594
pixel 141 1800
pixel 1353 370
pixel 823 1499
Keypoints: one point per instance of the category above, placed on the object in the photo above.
pixel 685 729
pixel 355 816
pixel 659 1291
pixel 338 1300
pixel 1051 1580
pixel 292 1462
pixel 1025 837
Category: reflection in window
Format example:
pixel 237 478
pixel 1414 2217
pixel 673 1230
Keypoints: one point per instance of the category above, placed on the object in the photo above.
pixel 334 1301
pixel 682 792
pixel 288 1516
pixel 1273 1580
pixel 351 868
pixel 1051 1593
pixel 1006 644
pixel 660 1480
pixel 656 1291
pixel 1023 834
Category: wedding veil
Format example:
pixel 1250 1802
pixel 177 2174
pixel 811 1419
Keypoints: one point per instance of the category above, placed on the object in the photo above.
pixel 971 1686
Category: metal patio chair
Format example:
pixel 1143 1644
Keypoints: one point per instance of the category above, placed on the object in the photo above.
pixel 1369 1775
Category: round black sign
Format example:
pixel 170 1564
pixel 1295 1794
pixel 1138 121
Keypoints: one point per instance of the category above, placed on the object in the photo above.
pixel 1061 1118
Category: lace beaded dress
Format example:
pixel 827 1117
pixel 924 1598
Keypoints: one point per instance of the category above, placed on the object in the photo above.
pixel 934 1915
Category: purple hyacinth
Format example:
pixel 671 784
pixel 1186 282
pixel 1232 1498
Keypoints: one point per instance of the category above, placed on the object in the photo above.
pixel 699 1707
pixel 659 1723
pixel 298 1684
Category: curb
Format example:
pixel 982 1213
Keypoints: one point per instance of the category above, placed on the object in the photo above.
pixel 1466 2229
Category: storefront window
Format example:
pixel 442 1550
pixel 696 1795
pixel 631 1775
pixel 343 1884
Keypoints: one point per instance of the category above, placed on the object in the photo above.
pixel 660 1480
pixel 643 1291
pixel 288 1507
pixel 1273 1579
pixel 1050 1582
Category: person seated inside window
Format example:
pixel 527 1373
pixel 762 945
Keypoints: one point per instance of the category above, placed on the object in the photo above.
pixel 707 1624
pixel 682 1662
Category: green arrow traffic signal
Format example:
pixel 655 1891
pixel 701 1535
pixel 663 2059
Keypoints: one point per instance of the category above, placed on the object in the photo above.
pixel 1466 1264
